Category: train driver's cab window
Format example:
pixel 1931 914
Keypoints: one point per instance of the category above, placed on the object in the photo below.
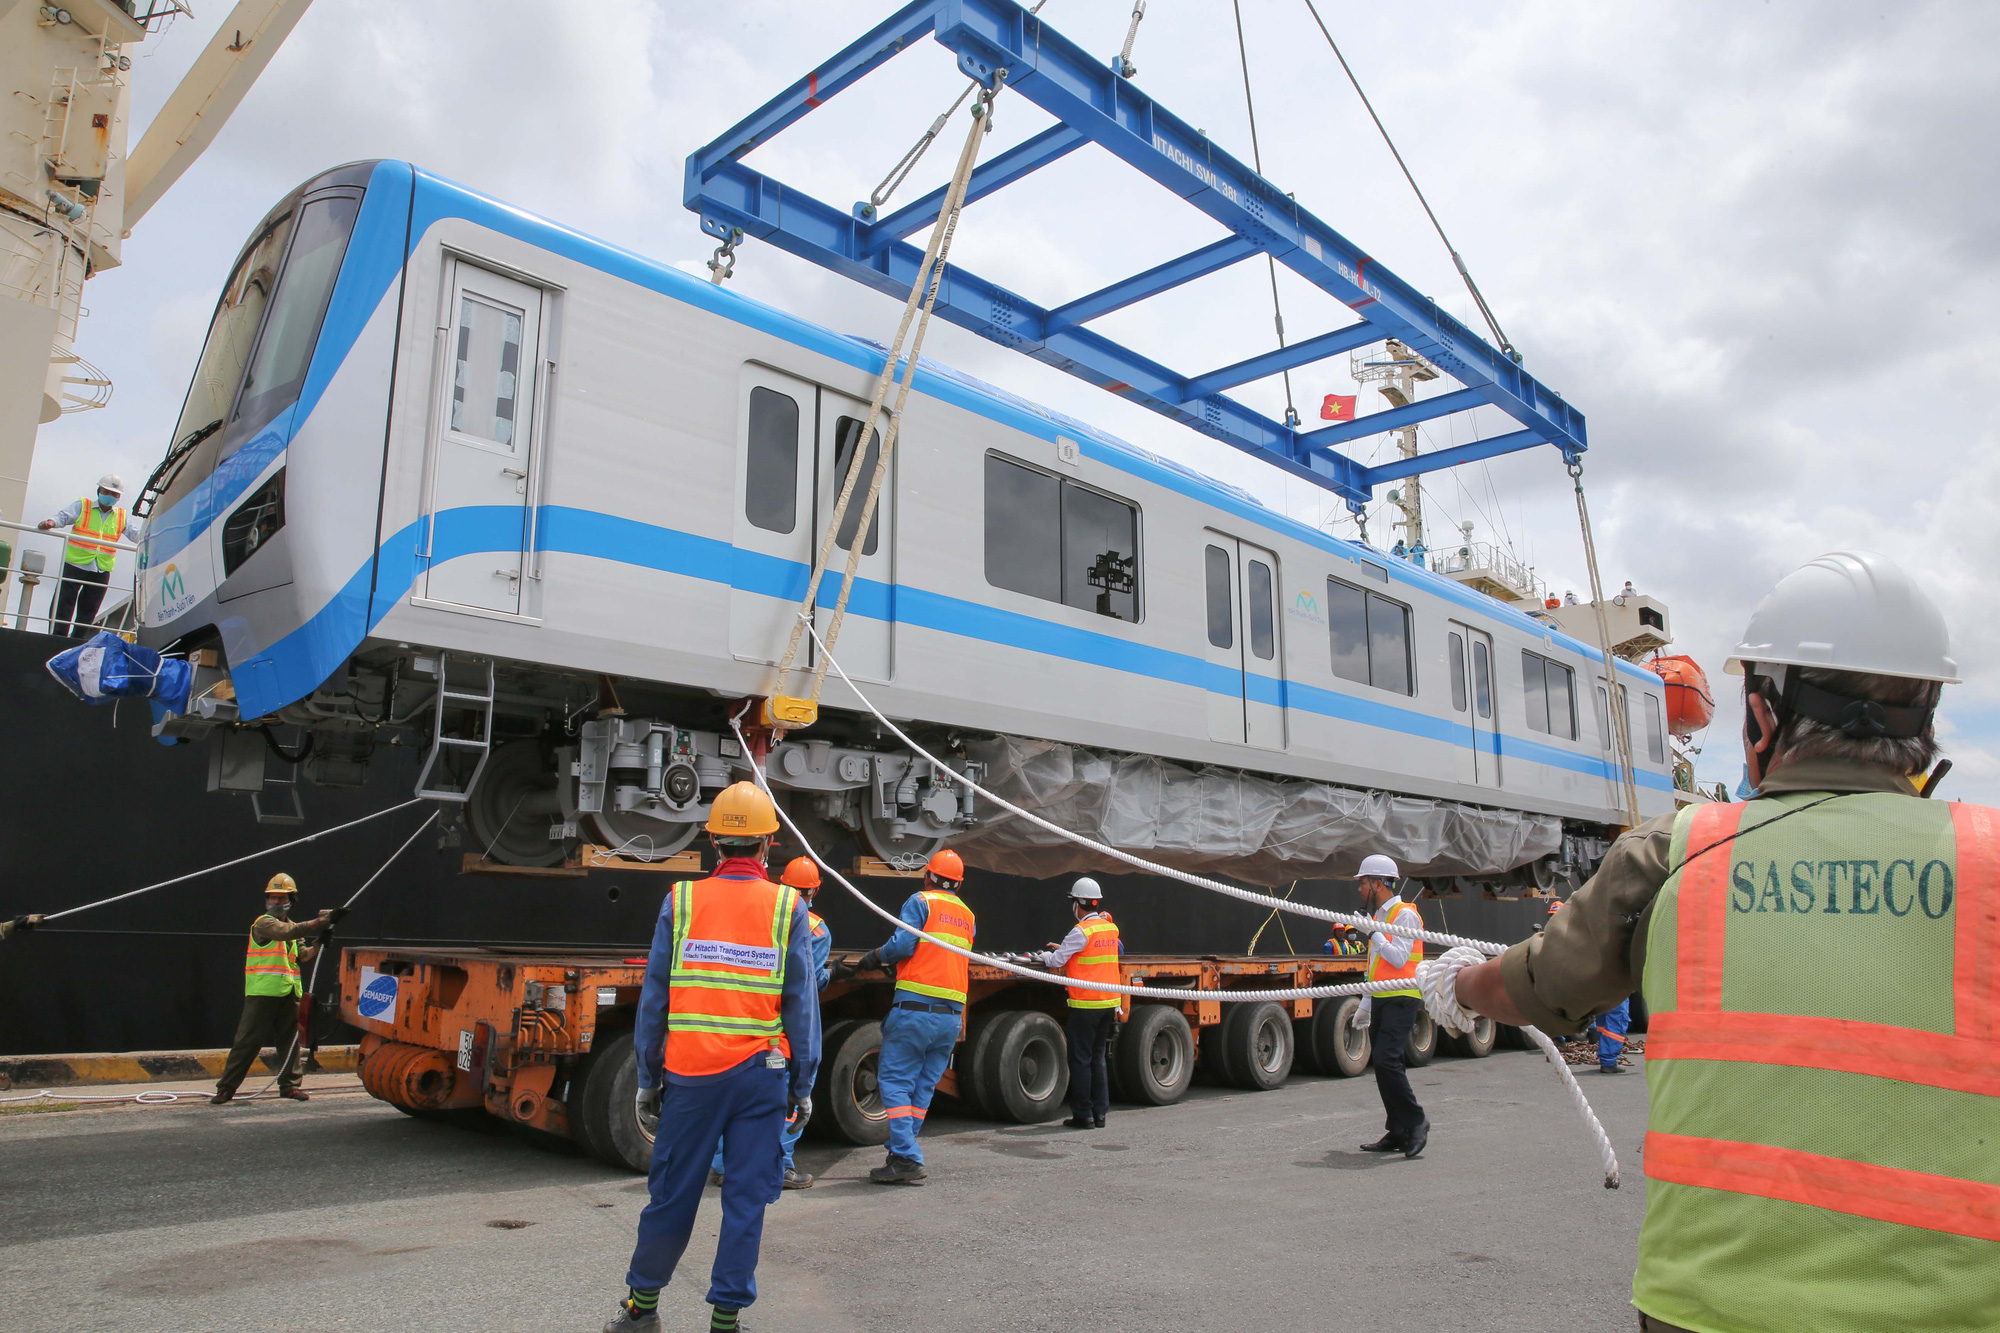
pixel 1656 736
pixel 1371 638
pixel 1052 538
pixel 771 490
pixel 1549 693
pixel 291 326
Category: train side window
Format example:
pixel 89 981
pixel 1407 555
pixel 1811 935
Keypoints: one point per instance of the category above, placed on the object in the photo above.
pixel 1054 539
pixel 1482 678
pixel 1263 631
pixel 1215 561
pixel 1656 738
pixel 771 489
pixel 1370 637
pixel 1457 673
pixel 1549 691
pixel 846 431
pixel 291 325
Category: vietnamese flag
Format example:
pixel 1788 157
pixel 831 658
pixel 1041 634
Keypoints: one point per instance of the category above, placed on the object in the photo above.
pixel 1338 407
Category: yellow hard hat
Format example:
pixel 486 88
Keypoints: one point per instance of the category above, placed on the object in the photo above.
pixel 742 811
pixel 281 883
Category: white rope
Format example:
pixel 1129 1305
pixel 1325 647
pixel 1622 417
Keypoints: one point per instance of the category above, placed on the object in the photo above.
pixel 1350 919
pixel 1436 979
pixel 283 846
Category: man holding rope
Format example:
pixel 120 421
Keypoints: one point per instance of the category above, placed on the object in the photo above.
pixel 271 991
pixel 1822 963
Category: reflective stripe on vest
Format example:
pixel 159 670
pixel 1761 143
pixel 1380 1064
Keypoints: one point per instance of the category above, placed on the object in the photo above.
pixel 1824 1068
pixel 937 972
pixel 1379 969
pixel 818 926
pixel 271 969
pixel 727 978
pixel 1097 960
pixel 94 522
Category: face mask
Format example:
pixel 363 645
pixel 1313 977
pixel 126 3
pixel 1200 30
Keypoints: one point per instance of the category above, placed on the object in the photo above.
pixel 106 501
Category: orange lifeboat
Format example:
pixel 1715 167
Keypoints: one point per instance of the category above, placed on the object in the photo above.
pixel 1690 706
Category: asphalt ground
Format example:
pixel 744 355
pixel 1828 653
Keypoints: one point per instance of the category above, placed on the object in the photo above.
pixel 1228 1211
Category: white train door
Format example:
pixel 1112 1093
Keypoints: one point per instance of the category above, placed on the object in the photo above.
pixel 775 528
pixel 483 455
pixel 1240 584
pixel 1470 654
pixel 867 635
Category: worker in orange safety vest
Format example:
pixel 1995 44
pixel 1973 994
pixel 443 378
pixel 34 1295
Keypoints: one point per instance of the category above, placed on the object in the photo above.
pixel 1391 1015
pixel 1089 953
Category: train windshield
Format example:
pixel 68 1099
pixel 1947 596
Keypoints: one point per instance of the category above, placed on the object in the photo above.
pixel 265 324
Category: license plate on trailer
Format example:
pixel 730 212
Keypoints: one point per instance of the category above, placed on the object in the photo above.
pixel 465 1051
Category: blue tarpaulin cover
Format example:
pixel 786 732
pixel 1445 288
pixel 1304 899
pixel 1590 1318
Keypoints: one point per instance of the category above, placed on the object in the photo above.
pixel 109 668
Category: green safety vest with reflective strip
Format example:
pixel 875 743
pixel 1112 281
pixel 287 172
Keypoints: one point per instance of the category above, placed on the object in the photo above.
pixel 727 977
pixel 1823 1063
pixel 94 522
pixel 271 969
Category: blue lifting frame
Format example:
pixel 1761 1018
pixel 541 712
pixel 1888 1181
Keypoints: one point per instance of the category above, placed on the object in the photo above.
pixel 1000 39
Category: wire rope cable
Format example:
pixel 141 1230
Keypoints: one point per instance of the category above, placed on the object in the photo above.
pixel 1458 262
pixel 1256 160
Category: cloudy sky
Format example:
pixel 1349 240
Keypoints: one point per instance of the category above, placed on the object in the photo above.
pixel 1756 244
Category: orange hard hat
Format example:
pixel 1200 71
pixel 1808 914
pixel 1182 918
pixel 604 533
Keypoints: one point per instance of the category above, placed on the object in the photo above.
pixel 801 873
pixel 742 810
pixel 280 883
pixel 947 864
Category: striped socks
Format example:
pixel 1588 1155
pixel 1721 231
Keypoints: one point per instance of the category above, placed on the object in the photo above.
pixel 722 1320
pixel 643 1303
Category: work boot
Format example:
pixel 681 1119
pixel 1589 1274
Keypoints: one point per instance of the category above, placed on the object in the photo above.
pixel 796 1179
pixel 1418 1138
pixel 1609 1069
pixel 898 1171
pixel 1097 1122
pixel 628 1320
pixel 295 1094
pixel 222 1097
pixel 714 1177
pixel 1077 1122
pixel 1387 1143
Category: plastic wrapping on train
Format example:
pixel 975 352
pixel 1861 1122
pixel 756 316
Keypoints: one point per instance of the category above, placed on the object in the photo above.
pixel 1257 830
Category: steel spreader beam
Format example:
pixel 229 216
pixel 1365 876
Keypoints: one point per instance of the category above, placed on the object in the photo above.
pixel 999 40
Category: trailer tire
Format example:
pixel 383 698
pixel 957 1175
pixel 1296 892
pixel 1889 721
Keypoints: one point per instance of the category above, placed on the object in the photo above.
pixel 1338 1050
pixel 1257 1045
pixel 1512 1038
pixel 1026 1066
pixel 852 1073
pixel 975 1088
pixel 1476 1044
pixel 1423 1047
pixel 1152 1063
pixel 1209 1053
pixel 610 1087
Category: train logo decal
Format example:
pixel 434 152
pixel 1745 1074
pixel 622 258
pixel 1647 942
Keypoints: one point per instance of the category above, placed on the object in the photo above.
pixel 377 998
pixel 174 596
pixel 1306 607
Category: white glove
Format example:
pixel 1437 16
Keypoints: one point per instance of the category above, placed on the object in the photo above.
pixel 1438 980
pixel 647 1103
pixel 1358 1020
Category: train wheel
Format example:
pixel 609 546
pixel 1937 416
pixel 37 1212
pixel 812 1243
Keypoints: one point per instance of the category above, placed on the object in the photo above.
pixel 1154 1056
pixel 1423 1045
pixel 1026 1066
pixel 853 1074
pixel 513 804
pixel 903 851
pixel 1257 1045
pixel 610 1087
pixel 1340 1051
pixel 1476 1044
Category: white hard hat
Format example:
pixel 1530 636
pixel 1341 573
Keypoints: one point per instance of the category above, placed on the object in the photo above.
pixel 1849 611
pixel 1379 867
pixel 112 482
pixel 1086 887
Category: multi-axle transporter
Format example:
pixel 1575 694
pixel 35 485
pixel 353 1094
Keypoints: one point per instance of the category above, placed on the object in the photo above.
pixel 543 1038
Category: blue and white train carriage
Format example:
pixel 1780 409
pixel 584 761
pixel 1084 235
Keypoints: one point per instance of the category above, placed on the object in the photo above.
pixel 450 467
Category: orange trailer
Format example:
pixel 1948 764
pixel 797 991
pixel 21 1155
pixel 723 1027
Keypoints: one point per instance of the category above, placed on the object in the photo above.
pixel 543 1039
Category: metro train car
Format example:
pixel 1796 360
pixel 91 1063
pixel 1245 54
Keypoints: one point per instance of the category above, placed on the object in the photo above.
pixel 454 475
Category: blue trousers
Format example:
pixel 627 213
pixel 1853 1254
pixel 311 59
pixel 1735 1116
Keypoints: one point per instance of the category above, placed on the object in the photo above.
pixel 747 1110
pixel 787 1141
pixel 1610 1029
pixel 916 1047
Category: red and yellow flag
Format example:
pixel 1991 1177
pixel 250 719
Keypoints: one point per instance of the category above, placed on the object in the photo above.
pixel 1337 407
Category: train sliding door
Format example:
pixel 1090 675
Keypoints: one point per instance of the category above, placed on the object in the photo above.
pixel 1241 582
pixel 774 530
pixel 484 452
pixel 865 648
pixel 1471 670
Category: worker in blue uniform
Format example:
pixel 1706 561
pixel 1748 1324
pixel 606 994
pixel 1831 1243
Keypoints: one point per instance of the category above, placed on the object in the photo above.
pixel 1610 1028
pixel 925 1013
pixel 802 875
pixel 727 1044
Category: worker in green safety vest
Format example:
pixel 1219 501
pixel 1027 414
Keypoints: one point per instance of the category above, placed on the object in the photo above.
pixel 95 526
pixel 1822 966
pixel 271 991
